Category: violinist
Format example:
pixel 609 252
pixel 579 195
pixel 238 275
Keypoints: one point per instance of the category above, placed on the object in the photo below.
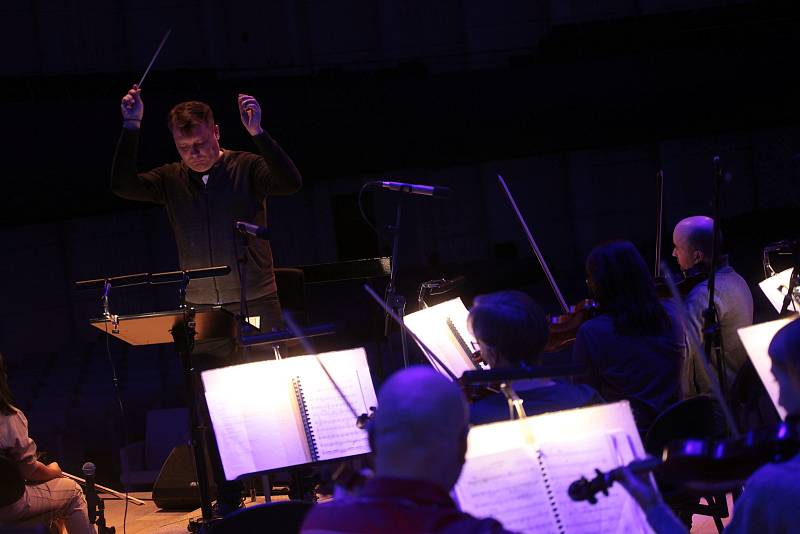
pixel 511 330
pixel 692 239
pixel 771 495
pixel 634 349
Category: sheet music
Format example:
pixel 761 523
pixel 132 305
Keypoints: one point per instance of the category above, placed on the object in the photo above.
pixel 256 418
pixel 566 445
pixel 331 421
pixel 252 411
pixel 516 476
pixel 430 326
pixel 776 287
pixel 567 461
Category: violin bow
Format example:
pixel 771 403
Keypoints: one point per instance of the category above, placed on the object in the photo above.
pixel 534 246
pixel 659 219
pixel 432 358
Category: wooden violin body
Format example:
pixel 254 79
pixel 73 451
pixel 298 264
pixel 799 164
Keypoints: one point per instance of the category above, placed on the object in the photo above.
pixel 563 329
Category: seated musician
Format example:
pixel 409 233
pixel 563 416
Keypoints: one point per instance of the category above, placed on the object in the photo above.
pixel 511 330
pixel 734 302
pixel 419 438
pixel 31 492
pixel 635 348
pixel 771 497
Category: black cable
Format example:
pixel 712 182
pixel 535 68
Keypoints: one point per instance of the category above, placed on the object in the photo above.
pixel 380 234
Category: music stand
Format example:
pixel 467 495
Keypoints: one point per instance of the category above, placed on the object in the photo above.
pixel 182 327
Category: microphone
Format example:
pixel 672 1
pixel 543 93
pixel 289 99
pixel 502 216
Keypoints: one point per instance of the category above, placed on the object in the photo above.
pixel 261 232
pixel 91 495
pixel 436 191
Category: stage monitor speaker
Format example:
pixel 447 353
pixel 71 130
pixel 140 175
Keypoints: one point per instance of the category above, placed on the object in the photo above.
pixel 176 486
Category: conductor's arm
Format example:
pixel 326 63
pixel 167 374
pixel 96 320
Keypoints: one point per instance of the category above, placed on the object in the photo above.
pixel 275 174
pixel 125 181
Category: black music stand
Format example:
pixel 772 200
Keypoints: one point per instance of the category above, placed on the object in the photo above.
pixel 182 327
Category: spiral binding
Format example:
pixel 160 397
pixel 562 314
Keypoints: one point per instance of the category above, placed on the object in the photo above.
pixel 550 497
pixel 301 403
pixel 461 341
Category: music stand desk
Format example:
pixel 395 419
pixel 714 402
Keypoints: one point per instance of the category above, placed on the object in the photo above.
pixel 156 328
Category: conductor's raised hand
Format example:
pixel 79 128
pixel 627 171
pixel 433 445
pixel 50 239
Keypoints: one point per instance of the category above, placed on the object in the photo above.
pixel 250 113
pixel 132 107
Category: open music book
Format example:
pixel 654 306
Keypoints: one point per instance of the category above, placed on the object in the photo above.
pixel 519 471
pixel 443 328
pixel 280 413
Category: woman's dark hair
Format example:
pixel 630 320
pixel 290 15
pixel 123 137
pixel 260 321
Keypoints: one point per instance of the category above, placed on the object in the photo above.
pixel 624 288
pixel 5 392
pixel 511 323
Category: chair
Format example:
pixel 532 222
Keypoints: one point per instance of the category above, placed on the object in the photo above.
pixel 141 461
pixel 699 417
pixel 284 517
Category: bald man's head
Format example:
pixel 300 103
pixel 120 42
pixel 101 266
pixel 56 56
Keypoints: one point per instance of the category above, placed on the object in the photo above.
pixel 784 351
pixel 692 239
pixel 419 430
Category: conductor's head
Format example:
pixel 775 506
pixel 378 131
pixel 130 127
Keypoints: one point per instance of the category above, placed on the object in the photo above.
pixel 420 428
pixel 196 135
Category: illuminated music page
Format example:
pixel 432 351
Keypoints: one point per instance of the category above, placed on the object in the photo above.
pixel 515 476
pixel 567 461
pixel 257 417
pixel 451 345
pixel 519 471
pixel 331 421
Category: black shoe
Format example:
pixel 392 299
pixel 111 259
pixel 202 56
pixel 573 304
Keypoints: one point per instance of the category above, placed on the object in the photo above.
pixel 223 508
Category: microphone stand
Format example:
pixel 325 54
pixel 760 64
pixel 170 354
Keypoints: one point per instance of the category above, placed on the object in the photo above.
pixel 712 338
pixel 793 293
pixel 240 244
pixel 395 301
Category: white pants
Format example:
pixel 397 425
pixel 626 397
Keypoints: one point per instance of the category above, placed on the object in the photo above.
pixel 43 502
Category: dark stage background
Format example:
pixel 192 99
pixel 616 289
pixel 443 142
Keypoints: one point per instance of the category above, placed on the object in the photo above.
pixel 576 103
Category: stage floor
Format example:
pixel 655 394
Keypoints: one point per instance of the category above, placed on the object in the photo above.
pixel 149 519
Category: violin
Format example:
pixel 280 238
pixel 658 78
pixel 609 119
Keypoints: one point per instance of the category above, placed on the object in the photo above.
pixel 563 329
pixel 704 466
pixel 691 278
